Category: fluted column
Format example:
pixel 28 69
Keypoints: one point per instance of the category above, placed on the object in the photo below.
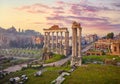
pixel 57 42
pixel 73 43
pixel 45 40
pixel 76 47
pixel 79 47
pixel 52 41
pixel 61 43
pixel 48 41
pixel 73 47
pixel 66 43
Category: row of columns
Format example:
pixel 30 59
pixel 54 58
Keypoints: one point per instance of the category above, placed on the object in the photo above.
pixel 49 39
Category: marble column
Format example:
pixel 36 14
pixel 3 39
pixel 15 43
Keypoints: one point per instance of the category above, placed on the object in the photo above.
pixel 48 41
pixel 66 49
pixel 52 42
pixel 61 43
pixel 45 40
pixel 79 47
pixel 57 42
pixel 73 46
pixel 73 43
pixel 76 46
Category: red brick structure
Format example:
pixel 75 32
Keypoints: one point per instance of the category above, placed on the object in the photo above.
pixel 110 44
pixel 115 47
pixel 98 53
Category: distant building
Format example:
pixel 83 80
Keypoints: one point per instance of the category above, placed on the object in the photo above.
pixel 117 36
pixel 37 40
pixel 103 44
pixel 4 41
pixel 11 38
pixel 111 45
pixel 115 47
pixel 11 30
pixel 90 38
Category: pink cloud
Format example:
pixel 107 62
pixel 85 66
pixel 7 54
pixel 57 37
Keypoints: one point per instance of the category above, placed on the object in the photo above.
pixel 95 22
pixel 89 19
pixel 40 5
pixel 35 8
pixel 104 26
pixel 60 2
pixel 116 4
pixel 58 12
pixel 67 12
pixel 40 8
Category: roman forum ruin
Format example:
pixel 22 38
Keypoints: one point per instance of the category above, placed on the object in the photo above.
pixel 55 43
pixel 76 44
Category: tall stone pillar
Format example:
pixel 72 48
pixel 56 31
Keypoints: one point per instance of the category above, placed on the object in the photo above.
pixel 48 41
pixel 52 42
pixel 61 43
pixel 57 42
pixel 73 47
pixel 75 42
pixel 79 47
pixel 76 45
pixel 66 46
pixel 45 40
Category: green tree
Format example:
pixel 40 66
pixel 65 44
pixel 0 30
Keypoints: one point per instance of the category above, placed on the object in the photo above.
pixel 110 35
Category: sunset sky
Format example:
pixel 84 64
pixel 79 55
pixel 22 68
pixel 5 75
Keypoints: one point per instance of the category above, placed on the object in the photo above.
pixel 95 16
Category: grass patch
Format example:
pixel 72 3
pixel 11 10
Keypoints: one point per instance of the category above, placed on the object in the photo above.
pixel 28 72
pixel 21 53
pixel 49 75
pixel 91 59
pixel 55 57
pixel 94 74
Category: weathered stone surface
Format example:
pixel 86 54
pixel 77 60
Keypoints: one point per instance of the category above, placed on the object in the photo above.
pixel 60 78
pixel 76 44
pixel 56 43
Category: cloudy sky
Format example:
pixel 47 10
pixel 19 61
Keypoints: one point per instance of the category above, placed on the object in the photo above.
pixel 95 16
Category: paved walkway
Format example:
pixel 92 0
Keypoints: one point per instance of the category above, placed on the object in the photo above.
pixel 15 68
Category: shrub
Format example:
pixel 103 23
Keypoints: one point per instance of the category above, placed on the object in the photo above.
pixel 55 57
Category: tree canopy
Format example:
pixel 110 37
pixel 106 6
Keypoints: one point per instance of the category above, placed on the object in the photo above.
pixel 110 35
